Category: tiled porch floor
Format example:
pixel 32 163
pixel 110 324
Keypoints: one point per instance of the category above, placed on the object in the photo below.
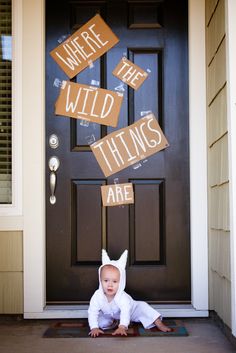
pixel 25 336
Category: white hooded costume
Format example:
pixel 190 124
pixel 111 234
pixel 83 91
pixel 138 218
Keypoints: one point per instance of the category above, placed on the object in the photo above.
pixel 101 313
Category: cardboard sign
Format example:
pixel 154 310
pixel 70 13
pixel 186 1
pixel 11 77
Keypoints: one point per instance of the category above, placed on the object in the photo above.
pixel 117 194
pixel 89 103
pixel 87 44
pixel 130 73
pixel 129 145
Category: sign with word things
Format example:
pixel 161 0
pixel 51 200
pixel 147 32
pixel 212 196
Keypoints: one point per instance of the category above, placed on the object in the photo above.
pixel 117 194
pixel 127 146
pixel 130 73
pixel 89 103
pixel 87 44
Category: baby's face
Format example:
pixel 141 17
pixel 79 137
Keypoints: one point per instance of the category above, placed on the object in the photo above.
pixel 110 278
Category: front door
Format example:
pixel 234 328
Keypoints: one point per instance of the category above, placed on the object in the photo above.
pixel 155 229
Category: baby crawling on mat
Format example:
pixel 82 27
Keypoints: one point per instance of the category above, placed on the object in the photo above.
pixel 111 303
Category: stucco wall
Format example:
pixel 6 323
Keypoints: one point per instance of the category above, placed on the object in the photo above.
pixel 218 179
pixel 11 273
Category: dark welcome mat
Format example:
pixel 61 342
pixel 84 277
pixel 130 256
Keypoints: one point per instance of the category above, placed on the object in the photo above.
pixel 79 328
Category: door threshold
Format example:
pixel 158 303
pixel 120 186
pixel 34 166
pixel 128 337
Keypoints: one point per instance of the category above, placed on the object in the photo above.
pixel 80 311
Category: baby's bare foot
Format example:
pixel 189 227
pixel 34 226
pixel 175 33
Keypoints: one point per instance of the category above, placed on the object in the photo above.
pixel 162 327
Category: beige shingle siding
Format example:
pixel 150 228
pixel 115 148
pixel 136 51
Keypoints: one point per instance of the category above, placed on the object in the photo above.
pixel 215 31
pixel 217 122
pixel 11 292
pixel 11 273
pixel 216 78
pixel 218 162
pixel 219 243
pixel 219 208
pixel 220 296
pixel 210 8
pixel 218 179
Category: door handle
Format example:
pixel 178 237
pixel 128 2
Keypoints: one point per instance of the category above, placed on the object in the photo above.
pixel 53 164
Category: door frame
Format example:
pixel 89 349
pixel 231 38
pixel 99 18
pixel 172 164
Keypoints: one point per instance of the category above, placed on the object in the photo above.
pixel 231 111
pixel 33 31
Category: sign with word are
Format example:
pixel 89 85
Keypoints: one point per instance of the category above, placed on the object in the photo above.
pixel 87 44
pixel 89 103
pixel 117 194
pixel 129 145
pixel 130 73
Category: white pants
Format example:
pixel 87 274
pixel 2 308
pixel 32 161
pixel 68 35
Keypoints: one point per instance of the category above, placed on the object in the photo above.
pixel 142 312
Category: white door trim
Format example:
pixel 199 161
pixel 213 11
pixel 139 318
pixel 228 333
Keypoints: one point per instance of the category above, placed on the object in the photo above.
pixel 230 14
pixel 33 70
pixel 198 155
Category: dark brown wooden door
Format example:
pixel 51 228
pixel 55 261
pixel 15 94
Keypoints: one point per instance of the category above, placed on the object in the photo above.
pixel 155 230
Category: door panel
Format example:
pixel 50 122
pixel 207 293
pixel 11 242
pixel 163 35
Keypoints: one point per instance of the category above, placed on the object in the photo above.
pixel 155 229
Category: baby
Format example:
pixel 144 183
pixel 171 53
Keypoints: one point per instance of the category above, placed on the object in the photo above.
pixel 111 303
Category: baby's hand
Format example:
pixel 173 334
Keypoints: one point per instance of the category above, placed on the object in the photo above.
pixel 121 330
pixel 95 332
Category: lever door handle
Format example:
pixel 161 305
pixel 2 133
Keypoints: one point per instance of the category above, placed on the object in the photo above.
pixel 53 164
pixel 53 180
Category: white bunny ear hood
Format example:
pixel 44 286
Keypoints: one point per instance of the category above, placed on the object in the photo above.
pixel 120 264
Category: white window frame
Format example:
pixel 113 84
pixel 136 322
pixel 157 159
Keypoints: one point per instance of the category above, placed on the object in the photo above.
pixel 11 214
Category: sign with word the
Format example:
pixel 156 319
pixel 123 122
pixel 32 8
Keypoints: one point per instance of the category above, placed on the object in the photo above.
pixel 89 103
pixel 87 44
pixel 117 194
pixel 130 73
pixel 129 145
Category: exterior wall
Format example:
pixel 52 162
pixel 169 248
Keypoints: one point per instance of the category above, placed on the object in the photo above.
pixel 218 177
pixel 11 273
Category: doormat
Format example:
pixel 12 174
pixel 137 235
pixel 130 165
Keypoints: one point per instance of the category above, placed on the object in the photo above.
pixel 80 329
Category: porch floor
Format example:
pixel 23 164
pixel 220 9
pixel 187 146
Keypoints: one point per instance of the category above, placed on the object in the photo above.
pixel 25 336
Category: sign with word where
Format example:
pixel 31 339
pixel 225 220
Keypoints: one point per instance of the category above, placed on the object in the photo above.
pixel 130 73
pixel 89 103
pixel 87 44
pixel 127 146
pixel 117 194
